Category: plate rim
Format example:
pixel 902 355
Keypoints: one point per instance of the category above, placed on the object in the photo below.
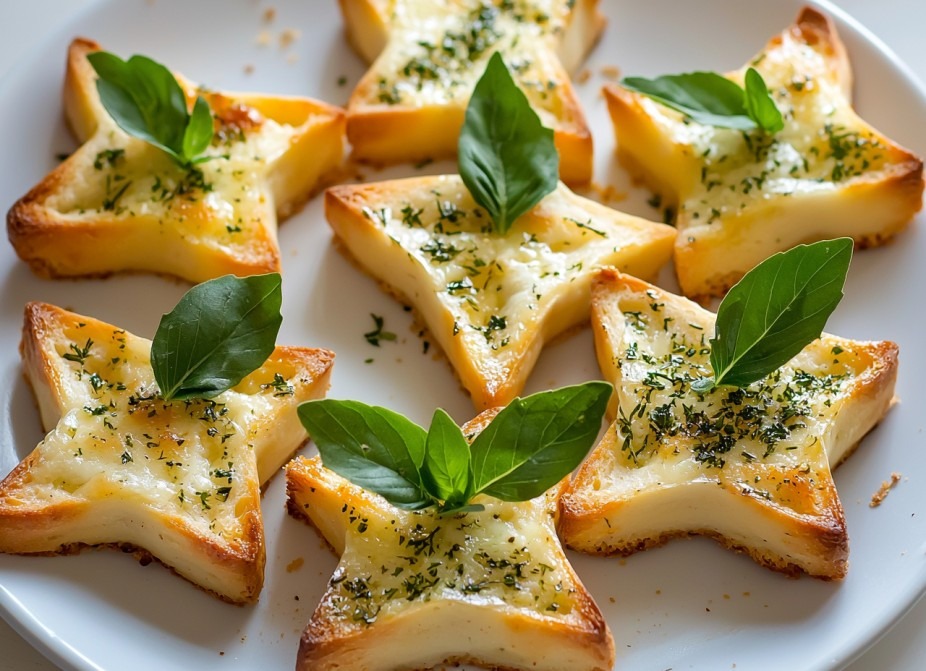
pixel 61 653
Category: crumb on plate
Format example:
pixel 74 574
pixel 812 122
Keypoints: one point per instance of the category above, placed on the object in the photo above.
pixel 878 497
pixel 289 36
pixel 610 72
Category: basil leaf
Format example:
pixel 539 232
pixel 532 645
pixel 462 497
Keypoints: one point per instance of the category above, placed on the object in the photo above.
pixel 198 134
pixel 713 100
pixel 373 447
pixel 446 471
pixel 536 441
pixel 146 101
pixel 707 97
pixel 528 447
pixel 778 307
pixel 507 158
pixel 760 105
pixel 219 332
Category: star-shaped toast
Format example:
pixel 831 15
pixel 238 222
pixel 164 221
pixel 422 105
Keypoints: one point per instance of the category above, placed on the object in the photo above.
pixel 427 56
pixel 121 204
pixel 414 589
pixel 743 196
pixel 750 467
pixel 489 300
pixel 178 481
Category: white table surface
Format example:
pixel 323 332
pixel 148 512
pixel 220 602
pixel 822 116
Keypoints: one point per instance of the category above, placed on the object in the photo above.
pixel 899 23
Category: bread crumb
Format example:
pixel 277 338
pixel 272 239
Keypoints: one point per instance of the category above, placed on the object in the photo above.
pixel 878 497
pixel 263 38
pixel 610 72
pixel 605 193
pixel 583 76
pixel 289 36
pixel 295 565
pixel 612 599
pixel 270 14
pixel 292 58
pixel 248 69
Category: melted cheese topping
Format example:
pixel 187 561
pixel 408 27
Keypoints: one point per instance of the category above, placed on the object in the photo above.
pixel 506 555
pixel 216 200
pixel 782 421
pixel 497 288
pixel 119 439
pixel 438 52
pixel 821 147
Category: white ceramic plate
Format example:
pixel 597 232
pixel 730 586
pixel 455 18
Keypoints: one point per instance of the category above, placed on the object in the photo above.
pixel 689 605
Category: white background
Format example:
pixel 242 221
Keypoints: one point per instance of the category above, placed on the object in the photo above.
pixel 899 23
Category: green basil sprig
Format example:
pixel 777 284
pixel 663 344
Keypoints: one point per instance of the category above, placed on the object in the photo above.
pixel 713 100
pixel 507 158
pixel 146 101
pixel 527 448
pixel 219 332
pixel 778 307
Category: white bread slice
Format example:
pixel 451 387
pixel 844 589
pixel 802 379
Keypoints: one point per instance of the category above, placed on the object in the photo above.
pixel 414 590
pixel 669 467
pixel 178 481
pixel 489 300
pixel 743 197
pixel 99 213
pixel 427 56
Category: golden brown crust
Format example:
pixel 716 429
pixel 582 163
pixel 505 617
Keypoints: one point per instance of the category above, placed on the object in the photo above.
pixel 580 523
pixel 76 222
pixel 728 220
pixel 784 512
pixel 378 125
pixel 378 133
pixel 237 570
pixel 414 634
pixel 567 231
pixel 70 493
pixel 815 28
pixel 365 24
pixel 81 102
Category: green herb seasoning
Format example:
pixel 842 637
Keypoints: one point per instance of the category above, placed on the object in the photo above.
pixel 378 334
pixel 662 414
pixel 496 554
pixel 444 59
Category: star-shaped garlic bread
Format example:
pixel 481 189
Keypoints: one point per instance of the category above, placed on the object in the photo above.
pixel 121 204
pixel 742 196
pixel 428 55
pixel 415 589
pixel 750 467
pixel 179 481
pixel 490 300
